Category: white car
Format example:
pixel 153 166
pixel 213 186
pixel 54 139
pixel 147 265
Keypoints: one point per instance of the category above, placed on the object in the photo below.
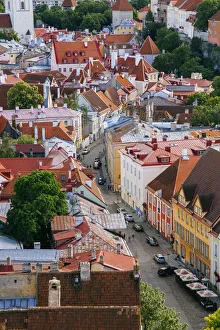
pixel 159 258
pixel 85 151
pixel 121 210
pixel 129 218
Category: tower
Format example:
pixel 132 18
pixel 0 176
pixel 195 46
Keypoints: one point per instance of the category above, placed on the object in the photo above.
pixel 121 10
pixel 22 16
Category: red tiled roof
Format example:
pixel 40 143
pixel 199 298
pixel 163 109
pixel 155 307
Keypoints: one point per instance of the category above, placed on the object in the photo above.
pixel 68 52
pixel 23 164
pixel 117 38
pixel 25 148
pixel 129 66
pixel 190 5
pixel 122 5
pixel 3 123
pixel 216 16
pixel 69 3
pixel 5 21
pixel 62 223
pixel 65 235
pixel 149 47
pixel 95 101
pixel 147 8
pixel 125 83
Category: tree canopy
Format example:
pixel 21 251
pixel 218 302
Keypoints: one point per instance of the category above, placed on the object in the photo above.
pixel 167 39
pixel 154 313
pixel 24 96
pixel 205 10
pixel 138 4
pixel 6 147
pixel 37 200
pixel 25 139
pixel 216 86
pixel 213 321
pixel 91 14
pixel 4 34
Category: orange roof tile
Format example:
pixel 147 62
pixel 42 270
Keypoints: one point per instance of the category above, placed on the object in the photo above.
pixel 69 3
pixel 125 83
pixel 69 52
pixel 62 223
pixel 147 8
pixel 122 5
pixel 95 101
pixel 5 21
pixel 116 38
pixel 149 47
pixel 3 123
pixel 105 99
pixel 216 16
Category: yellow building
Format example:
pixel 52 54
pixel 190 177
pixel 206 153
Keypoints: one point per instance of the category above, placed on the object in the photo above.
pixel 113 145
pixel 195 209
pixel 126 26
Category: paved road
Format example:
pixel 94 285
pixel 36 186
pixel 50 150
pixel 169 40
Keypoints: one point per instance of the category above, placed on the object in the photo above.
pixel 175 295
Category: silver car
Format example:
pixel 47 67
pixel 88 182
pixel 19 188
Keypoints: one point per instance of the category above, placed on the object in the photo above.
pixel 129 218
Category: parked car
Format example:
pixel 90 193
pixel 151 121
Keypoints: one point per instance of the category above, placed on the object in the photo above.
pixel 129 218
pixel 208 304
pixel 121 210
pixel 97 164
pixel 151 241
pixel 137 227
pixel 85 151
pixel 159 258
pixel 101 181
pixel 166 271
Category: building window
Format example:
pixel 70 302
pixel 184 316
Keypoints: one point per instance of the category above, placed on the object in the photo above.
pixel 124 181
pixel 22 5
pixel 123 163
pixel 63 177
pixel 9 5
pixel 187 220
pixel 216 266
pixel 198 210
pixel 131 169
pixel 202 229
pixel 206 232
pixel 131 187
pixel 60 70
pixel 139 175
pixel 135 171
pixel 182 215
pixel 64 69
pixel 127 184
pixel 82 192
pixel 168 211
pixel 198 226
pixel 191 239
pixel 187 236
pixel 216 250
pixel 139 193
pixel 70 69
pixel 155 201
pixel 163 225
pixel 150 197
pixel 163 208
pixel 168 229
pixel 191 222
pixel 135 190
pixel 182 232
pixel 183 251
pixel 178 213
pixel 191 258
pixel 181 199
pixel 206 251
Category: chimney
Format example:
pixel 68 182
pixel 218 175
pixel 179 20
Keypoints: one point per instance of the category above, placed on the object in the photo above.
pixel 85 271
pixel 168 149
pixel 31 152
pixel 30 123
pixel 114 58
pixel 43 134
pixel 154 140
pixel 185 154
pixel 54 293
pixel 155 145
pixel 203 134
pixel 164 138
pixel 85 44
pixel 137 59
pixel 54 267
pixel 39 267
pixel 58 92
pixel 39 106
pixel 36 133
pixel 14 121
pixel 70 251
pixel 37 245
pixel 8 261
pixel 69 174
pixel 101 259
pixel 186 137
pixel 26 267
pixel 118 248
pixel 208 143
pixel 93 257
pixel 1 109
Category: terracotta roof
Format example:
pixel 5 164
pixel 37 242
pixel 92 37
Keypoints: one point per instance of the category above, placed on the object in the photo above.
pixel 204 182
pixel 55 74
pixel 4 88
pixel 3 123
pixel 32 78
pixel 62 223
pixel 149 47
pixel 199 82
pixel 5 21
pixel 111 93
pixel 23 164
pixel 78 75
pixel 95 101
pixel 69 3
pixel 65 235
pixel 111 39
pixel 39 32
pixel 111 105
pixel 170 180
pixel 125 83
pixel 94 67
pixel 216 16
pixel 117 134
pixel 122 5
pixel 25 148
pixel 69 52
pixel 129 66
pixel 190 5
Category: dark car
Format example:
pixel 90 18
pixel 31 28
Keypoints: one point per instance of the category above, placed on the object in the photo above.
pixel 152 241
pixel 166 271
pixel 208 304
pixel 137 227
pixel 101 181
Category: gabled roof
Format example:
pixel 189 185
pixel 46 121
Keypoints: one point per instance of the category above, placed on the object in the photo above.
pixel 69 3
pixel 204 182
pixel 147 8
pixel 95 101
pixel 215 17
pixel 69 51
pixel 128 65
pixel 107 101
pixel 111 93
pixel 125 83
pixel 149 47
pixel 5 21
pixel 190 5
pixel 3 123
pixel 111 39
pixel 62 223
pixel 122 5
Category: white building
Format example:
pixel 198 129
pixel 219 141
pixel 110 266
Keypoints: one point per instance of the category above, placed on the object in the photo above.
pixel 49 3
pixel 121 10
pixel 140 164
pixel 22 17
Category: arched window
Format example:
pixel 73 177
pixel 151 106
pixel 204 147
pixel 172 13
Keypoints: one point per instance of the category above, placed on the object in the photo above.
pixel 22 5
pixel 9 5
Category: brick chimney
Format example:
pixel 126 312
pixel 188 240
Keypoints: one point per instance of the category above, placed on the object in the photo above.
pixel 208 143
pixel 54 293
pixel 155 146
pixel 168 149
pixel 154 140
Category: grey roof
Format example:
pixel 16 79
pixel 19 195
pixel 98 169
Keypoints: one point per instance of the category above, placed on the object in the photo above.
pixel 9 243
pixel 29 255
pixel 111 221
pixel 4 207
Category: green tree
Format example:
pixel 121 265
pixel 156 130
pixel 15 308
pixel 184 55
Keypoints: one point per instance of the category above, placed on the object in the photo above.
pixel 4 34
pixel 138 4
pixel 167 39
pixel 204 11
pixel 6 147
pixel 154 313
pixel 165 62
pixel 213 321
pixel 149 17
pixel 24 96
pixel 25 139
pixel 216 86
pixel 37 200
pixel 151 29
pixel 192 65
pixel 201 98
pixel 2 7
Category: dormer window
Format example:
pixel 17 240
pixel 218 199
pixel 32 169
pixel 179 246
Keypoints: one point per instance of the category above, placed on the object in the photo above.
pixel 197 210
pixel 82 53
pixel 198 152
pixel 68 54
pixel 75 61
pixel 181 199
pixel 64 60
pixel 22 5
pixel 75 53
pixel 163 159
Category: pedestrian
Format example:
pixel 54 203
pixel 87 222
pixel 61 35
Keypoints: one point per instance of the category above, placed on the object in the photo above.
pixel 133 236
pixel 90 166
pixel 129 238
